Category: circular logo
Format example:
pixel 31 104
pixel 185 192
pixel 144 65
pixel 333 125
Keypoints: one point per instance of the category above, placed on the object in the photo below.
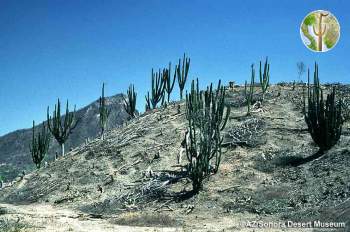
pixel 320 31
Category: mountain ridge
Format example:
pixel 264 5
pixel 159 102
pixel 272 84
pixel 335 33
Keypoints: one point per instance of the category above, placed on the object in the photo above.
pixel 14 146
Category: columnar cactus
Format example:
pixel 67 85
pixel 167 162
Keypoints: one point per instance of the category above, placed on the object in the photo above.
pixel 130 104
pixel 249 95
pixel 157 93
pixel 264 78
pixel 148 102
pixel 181 71
pixel 40 145
pixel 104 112
pixel 323 118
pixel 61 129
pixel 169 85
pixel 206 117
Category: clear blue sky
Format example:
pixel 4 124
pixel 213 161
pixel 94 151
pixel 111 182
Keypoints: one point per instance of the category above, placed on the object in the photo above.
pixel 66 49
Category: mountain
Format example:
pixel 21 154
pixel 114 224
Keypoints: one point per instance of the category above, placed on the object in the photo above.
pixel 131 180
pixel 14 147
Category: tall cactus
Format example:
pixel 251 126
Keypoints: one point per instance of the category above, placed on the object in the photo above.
pixel 181 71
pixel 61 129
pixel 206 118
pixel 264 78
pixel 323 118
pixel 157 87
pixel 40 145
pixel 169 85
pixel 130 104
pixel 321 32
pixel 104 112
pixel 249 95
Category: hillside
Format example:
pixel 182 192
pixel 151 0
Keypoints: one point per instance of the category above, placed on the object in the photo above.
pixel 131 182
pixel 14 147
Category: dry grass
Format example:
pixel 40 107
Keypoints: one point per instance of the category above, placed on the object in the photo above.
pixel 145 219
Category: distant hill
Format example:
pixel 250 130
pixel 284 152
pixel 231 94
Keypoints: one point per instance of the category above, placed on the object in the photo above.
pixel 14 147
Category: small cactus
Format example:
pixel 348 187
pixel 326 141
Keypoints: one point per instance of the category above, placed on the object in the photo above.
pixel 264 78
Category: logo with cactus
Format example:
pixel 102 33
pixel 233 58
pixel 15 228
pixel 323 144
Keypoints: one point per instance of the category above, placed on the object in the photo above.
pixel 320 31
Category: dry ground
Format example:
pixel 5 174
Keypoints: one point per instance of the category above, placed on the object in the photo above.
pixel 130 181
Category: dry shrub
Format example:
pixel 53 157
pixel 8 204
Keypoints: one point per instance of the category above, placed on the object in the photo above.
pixel 145 219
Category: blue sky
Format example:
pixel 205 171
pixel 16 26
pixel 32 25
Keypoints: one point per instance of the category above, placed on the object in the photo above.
pixel 66 49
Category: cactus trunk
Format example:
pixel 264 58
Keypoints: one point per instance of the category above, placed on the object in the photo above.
pixel 320 33
pixel 62 149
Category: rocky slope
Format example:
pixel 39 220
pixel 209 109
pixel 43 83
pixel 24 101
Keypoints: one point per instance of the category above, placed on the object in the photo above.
pixel 14 147
pixel 131 181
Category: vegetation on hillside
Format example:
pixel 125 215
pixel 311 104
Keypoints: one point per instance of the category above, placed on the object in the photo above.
pixel 40 145
pixel 104 112
pixel 61 127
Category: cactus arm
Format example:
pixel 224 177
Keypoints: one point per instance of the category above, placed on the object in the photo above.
pixel 315 32
pixel 324 15
pixel 174 78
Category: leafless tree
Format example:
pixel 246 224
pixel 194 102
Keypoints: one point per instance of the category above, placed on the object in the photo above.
pixel 301 69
